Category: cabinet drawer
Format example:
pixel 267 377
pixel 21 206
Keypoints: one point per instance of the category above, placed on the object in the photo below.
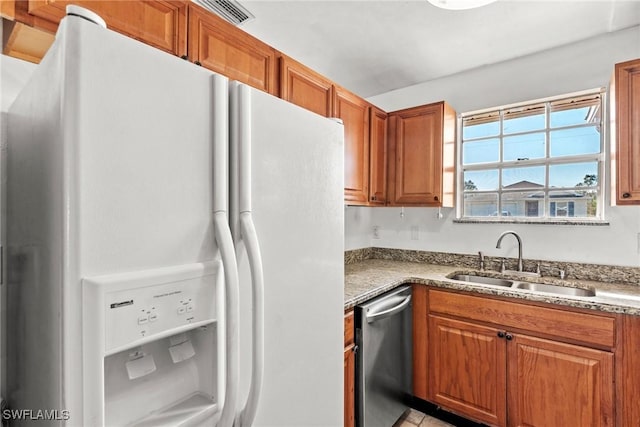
pixel 348 328
pixel 582 327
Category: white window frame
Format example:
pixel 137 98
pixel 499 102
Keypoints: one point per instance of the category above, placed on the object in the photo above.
pixel 546 161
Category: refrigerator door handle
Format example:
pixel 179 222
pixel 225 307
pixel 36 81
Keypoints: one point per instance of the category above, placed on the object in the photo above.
pixel 232 316
pixel 247 415
pixel 242 139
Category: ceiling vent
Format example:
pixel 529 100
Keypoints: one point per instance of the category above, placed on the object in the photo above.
pixel 230 10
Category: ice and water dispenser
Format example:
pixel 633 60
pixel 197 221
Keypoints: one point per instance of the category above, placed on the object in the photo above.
pixel 150 346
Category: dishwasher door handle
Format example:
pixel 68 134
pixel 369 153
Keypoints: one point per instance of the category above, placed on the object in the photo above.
pixel 389 312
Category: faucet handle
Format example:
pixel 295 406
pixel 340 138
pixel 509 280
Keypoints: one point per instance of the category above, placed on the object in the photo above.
pixel 502 266
pixel 481 255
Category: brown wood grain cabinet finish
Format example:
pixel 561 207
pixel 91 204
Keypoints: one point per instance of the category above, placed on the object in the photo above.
pixel 377 157
pixel 558 384
pixel 627 363
pixel 304 87
pixel 224 49
pixel 159 23
pixel 578 327
pixel 519 364
pixel 354 112
pixel 8 9
pixel 626 156
pixel 422 156
pixel 468 369
pixel 349 370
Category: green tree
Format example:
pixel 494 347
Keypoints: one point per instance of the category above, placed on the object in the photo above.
pixel 469 185
pixel 590 180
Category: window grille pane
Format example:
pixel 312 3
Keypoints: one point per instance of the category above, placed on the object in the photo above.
pixel 574 204
pixel 481 180
pixel 524 119
pixel 481 204
pixel 523 204
pixel 536 160
pixel 575 111
pixel 527 177
pixel 573 174
pixel 483 151
pixel 524 147
pixel 574 141
pixel 481 125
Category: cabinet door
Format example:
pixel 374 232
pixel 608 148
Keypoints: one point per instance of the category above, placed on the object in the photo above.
pixel 349 386
pixel 304 87
pixel 162 24
pixel 378 157
pixel 227 50
pixel 554 384
pixel 354 112
pixel 417 148
pixel 467 369
pixel 627 121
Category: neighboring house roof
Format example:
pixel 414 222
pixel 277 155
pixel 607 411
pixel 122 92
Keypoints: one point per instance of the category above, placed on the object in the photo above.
pixel 523 184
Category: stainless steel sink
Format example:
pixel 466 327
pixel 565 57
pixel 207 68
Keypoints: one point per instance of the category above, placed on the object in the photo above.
pixel 555 289
pixel 482 280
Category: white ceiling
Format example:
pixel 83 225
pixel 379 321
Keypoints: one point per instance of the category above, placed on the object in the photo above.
pixel 372 47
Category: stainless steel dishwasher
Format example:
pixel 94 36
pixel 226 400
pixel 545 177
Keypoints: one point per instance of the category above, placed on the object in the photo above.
pixel 384 360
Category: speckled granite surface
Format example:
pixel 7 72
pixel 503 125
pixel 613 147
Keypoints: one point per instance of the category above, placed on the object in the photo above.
pixel 577 271
pixel 371 277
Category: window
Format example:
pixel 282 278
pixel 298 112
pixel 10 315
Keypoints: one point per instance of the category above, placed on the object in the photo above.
pixel 541 160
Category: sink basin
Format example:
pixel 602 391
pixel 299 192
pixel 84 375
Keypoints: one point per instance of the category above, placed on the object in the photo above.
pixel 555 289
pixel 482 280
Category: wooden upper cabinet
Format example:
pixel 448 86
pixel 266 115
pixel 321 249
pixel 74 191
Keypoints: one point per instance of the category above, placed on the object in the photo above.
pixel 378 157
pixel 304 87
pixel 626 113
pixel 227 50
pixel 422 156
pixel 354 112
pixel 557 384
pixel 160 23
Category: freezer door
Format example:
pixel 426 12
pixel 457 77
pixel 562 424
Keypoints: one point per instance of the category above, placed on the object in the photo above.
pixel 111 170
pixel 296 205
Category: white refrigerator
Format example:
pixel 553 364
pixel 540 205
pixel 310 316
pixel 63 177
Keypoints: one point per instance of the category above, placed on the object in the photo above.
pixel 148 198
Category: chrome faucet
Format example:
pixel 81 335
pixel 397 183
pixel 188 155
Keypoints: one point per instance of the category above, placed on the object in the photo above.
pixel 519 246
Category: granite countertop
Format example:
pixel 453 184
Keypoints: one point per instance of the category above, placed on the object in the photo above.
pixel 369 278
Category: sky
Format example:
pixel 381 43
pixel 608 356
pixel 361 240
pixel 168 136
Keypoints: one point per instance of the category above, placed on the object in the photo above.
pixel 482 145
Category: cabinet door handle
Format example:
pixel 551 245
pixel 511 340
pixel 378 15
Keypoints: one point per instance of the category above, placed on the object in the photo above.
pixel 509 337
pixel 198 63
pixel 626 195
pixel 185 57
pixel 500 334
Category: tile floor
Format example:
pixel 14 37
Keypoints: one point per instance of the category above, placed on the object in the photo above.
pixel 413 418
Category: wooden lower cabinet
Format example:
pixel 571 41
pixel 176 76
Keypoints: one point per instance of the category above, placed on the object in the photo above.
pixel 558 384
pixel 349 370
pixel 510 375
pixel 468 369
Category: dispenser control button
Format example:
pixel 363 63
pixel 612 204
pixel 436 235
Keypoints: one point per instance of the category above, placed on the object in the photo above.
pixel 181 309
pixel 190 307
pixel 153 317
pixel 142 320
